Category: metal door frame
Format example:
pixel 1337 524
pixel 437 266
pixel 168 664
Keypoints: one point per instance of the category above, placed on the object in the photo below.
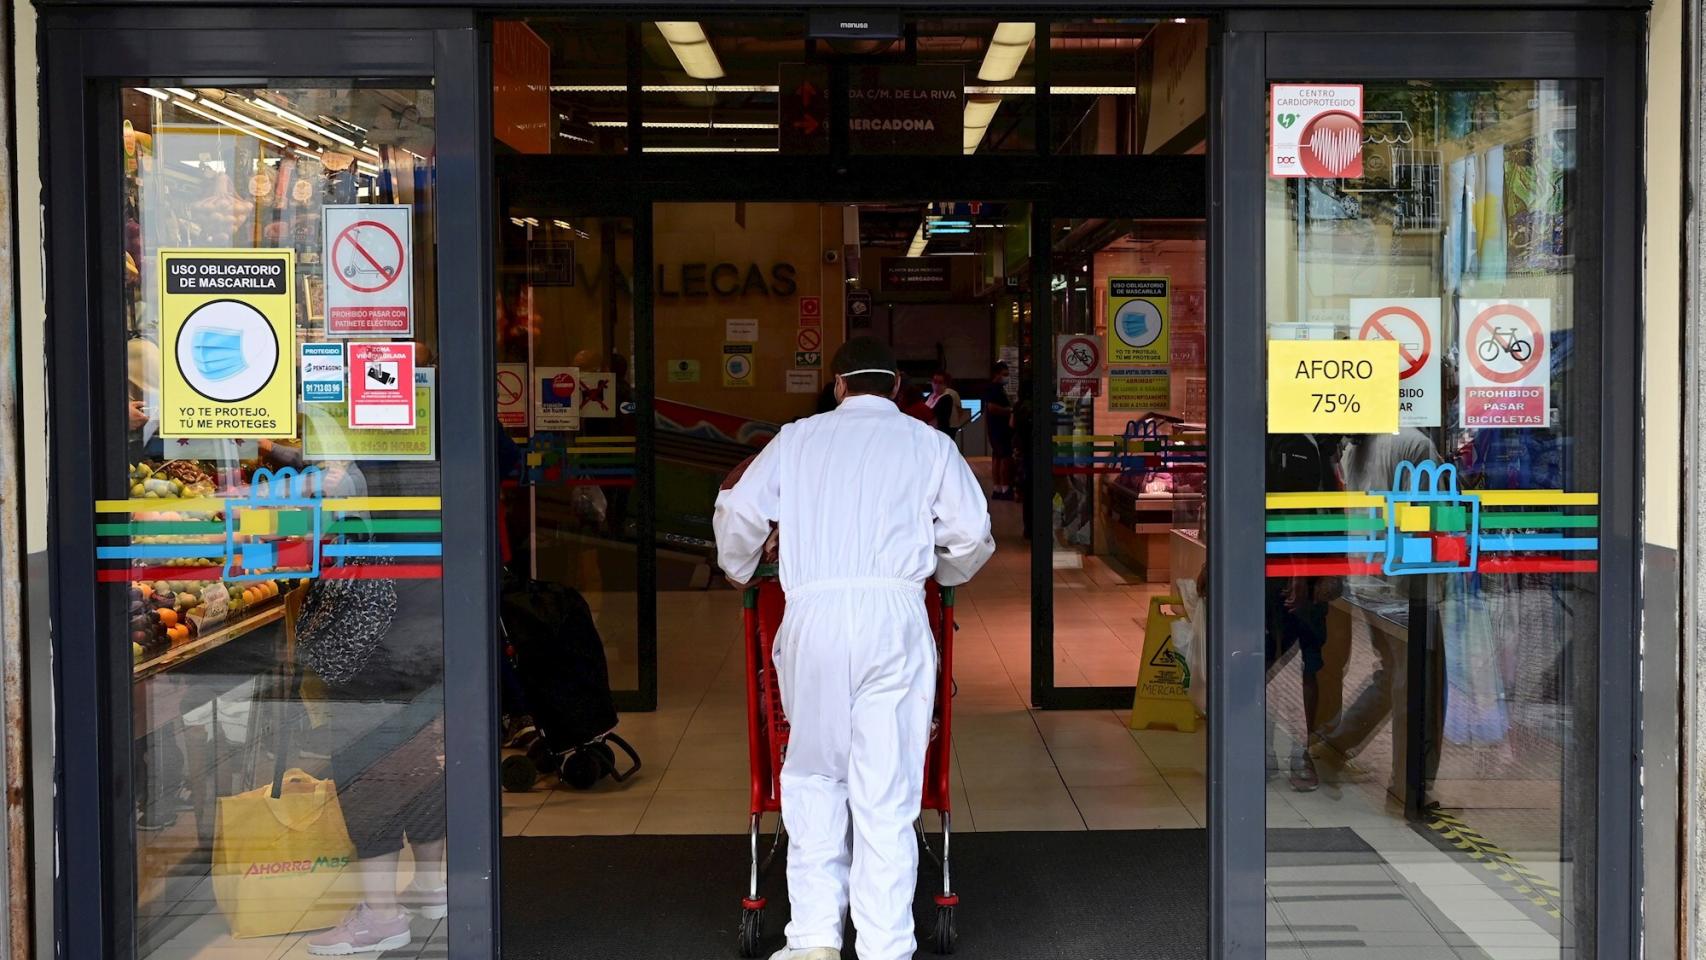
pixel 1597 47
pixel 87 55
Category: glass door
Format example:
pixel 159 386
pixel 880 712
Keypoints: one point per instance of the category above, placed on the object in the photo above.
pixel 277 438
pixel 1446 664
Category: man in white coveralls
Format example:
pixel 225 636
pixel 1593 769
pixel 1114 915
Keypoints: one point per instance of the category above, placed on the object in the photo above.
pixel 868 503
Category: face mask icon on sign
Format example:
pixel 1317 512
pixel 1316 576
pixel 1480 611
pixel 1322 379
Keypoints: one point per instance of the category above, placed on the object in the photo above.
pixel 219 353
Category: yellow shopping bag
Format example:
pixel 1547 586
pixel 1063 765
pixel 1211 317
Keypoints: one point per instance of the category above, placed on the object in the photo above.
pixel 275 860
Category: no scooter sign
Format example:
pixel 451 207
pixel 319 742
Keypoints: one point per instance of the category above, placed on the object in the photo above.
pixel 370 270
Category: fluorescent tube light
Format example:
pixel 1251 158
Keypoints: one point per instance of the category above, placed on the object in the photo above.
pixel 245 118
pixel 668 88
pixel 153 93
pixel 692 48
pixel 919 242
pixel 684 125
pixel 181 92
pixel 302 122
pixel 1006 51
pixel 713 149
pixel 980 111
pixel 220 120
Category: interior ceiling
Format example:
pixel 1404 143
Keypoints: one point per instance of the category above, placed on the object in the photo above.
pixel 593 50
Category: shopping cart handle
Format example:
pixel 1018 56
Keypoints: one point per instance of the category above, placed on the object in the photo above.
pixel 948 596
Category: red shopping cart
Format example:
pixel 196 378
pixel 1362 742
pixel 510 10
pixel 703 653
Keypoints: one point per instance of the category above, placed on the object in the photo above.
pixel 767 744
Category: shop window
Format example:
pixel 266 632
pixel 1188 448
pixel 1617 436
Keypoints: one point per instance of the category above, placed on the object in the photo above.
pixel 565 346
pixel 271 540
pixel 1128 86
pixel 1433 591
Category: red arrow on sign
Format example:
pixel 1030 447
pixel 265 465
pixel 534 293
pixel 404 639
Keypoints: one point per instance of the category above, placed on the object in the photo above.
pixel 805 91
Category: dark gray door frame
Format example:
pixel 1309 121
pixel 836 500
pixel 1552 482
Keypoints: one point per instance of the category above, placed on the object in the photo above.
pixel 1604 50
pixel 88 54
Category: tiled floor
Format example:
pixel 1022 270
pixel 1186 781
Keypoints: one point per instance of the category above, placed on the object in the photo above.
pixel 1014 768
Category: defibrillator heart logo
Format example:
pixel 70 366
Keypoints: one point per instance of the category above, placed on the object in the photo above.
pixel 1286 120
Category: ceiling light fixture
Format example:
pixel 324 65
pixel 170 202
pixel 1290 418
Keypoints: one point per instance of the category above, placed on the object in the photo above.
pixel 668 88
pixel 980 112
pixel 302 122
pixel 219 120
pixel 153 93
pixel 684 125
pixel 713 150
pixel 245 118
pixel 919 242
pixel 1006 51
pixel 692 48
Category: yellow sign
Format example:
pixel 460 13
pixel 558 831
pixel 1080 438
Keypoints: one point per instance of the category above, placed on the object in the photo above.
pixel 1140 390
pixel 1140 318
pixel 1163 680
pixel 227 343
pixel 1332 386
pixel 737 364
pixel 327 436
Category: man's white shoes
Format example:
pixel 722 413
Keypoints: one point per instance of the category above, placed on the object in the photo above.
pixel 811 953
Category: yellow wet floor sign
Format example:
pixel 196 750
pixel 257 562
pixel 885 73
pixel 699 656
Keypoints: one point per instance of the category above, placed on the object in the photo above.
pixel 1163 681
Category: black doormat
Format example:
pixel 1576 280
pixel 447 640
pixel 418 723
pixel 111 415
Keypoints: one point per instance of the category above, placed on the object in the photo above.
pixel 1105 895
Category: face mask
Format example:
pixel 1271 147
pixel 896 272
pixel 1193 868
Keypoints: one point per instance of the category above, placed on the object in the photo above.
pixel 218 353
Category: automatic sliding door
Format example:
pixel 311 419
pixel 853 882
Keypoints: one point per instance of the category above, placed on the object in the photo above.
pixel 566 340
pixel 1434 563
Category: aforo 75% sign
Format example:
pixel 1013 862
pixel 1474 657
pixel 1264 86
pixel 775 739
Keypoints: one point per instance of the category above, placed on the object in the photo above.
pixel 1332 386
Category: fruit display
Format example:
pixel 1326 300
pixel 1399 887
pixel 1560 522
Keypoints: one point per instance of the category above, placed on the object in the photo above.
pixel 170 480
pixel 168 613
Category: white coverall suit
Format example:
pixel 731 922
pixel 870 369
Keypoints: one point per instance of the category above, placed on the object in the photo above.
pixel 870 503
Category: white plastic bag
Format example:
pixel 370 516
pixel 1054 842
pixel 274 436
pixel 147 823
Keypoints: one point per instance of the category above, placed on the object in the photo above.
pixel 1190 640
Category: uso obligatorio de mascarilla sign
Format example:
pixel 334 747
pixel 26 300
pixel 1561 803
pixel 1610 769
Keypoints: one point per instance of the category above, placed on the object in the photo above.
pixel 227 343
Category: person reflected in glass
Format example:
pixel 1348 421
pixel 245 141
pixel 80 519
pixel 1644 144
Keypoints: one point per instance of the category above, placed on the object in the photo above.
pixel 1369 463
pixel 1297 605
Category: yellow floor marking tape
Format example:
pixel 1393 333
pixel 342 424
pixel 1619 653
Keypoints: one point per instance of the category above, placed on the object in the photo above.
pixel 1532 886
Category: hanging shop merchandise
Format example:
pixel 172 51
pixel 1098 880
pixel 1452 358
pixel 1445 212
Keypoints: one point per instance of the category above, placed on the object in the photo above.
pixel 228 343
pixel 370 265
pixel 1139 354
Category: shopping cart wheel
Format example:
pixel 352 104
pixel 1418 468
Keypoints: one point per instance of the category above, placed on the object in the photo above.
pixel 606 756
pixel 519 774
pixel 751 931
pixel 581 769
pixel 944 937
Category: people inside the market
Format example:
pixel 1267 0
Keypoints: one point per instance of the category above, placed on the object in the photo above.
pixel 868 504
